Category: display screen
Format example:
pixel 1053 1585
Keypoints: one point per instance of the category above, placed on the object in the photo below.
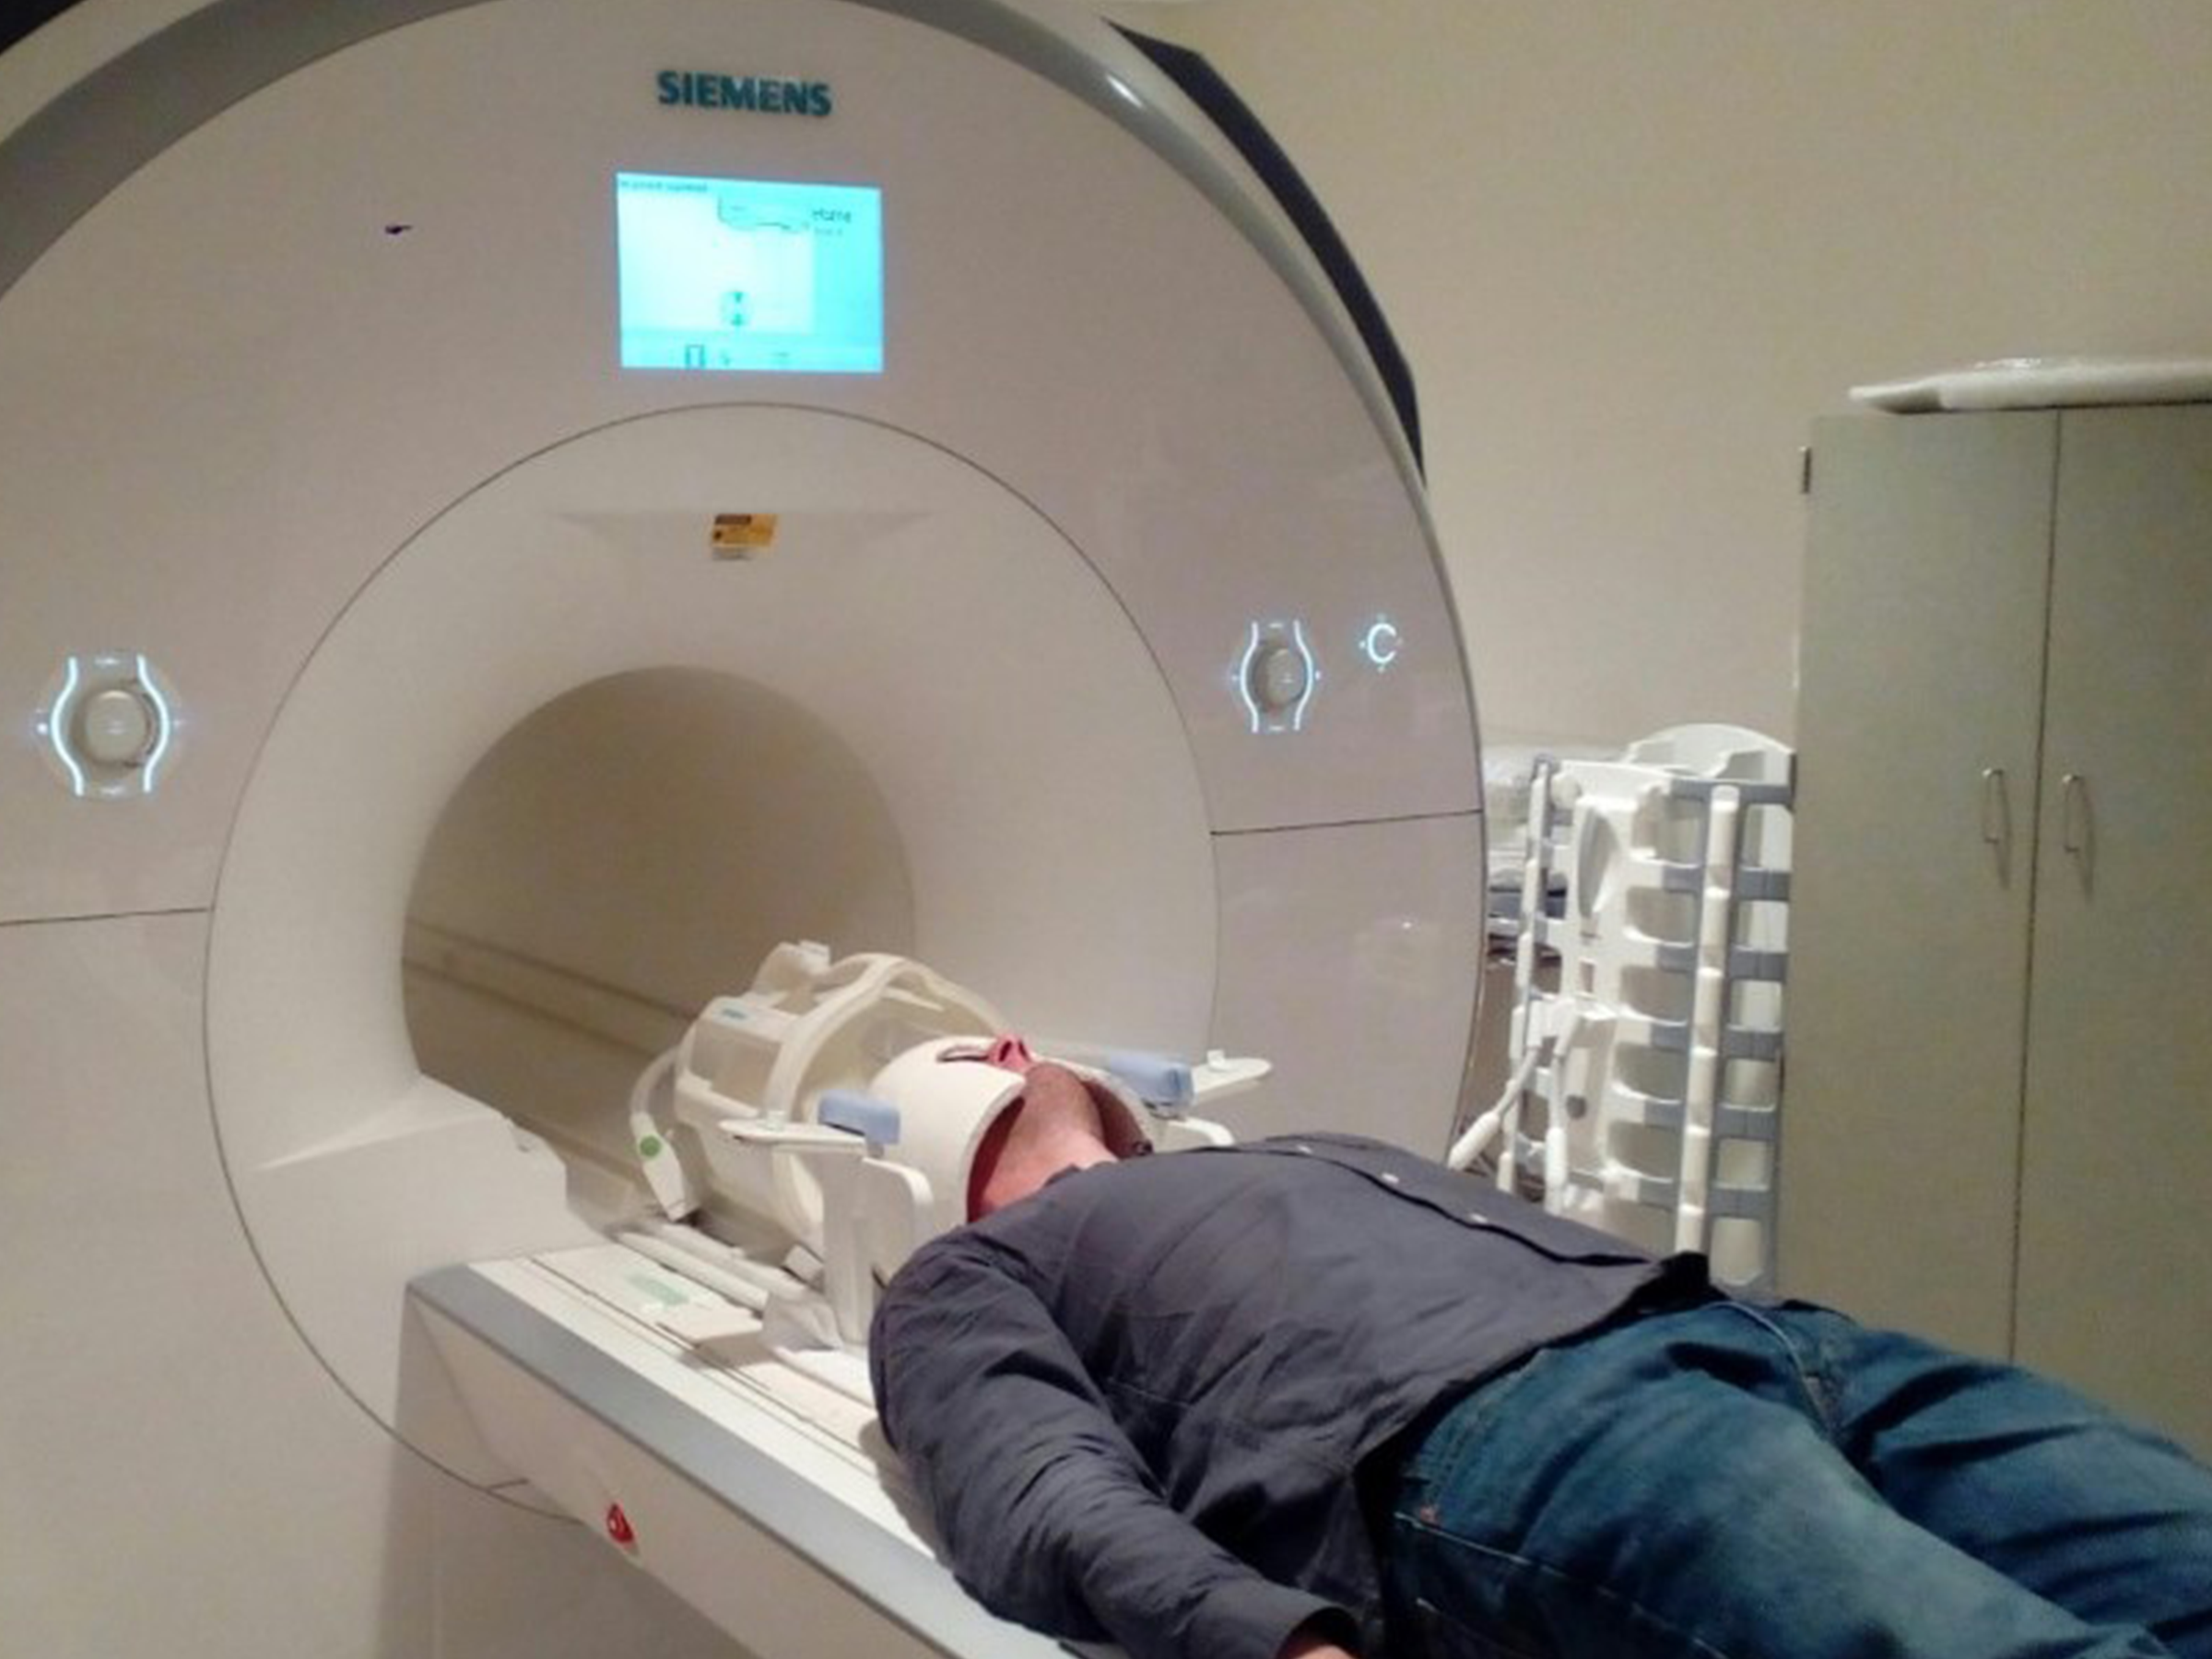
pixel 750 275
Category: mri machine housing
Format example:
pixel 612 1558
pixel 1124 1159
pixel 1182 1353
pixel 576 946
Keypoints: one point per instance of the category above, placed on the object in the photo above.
pixel 1099 657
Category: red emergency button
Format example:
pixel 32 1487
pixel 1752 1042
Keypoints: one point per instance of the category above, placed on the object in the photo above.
pixel 618 1527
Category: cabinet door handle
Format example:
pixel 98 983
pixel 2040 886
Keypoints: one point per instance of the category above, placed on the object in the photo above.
pixel 1997 818
pixel 2074 814
pixel 2076 821
pixel 1996 808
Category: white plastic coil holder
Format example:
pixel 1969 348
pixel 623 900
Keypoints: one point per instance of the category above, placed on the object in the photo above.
pixel 1645 1089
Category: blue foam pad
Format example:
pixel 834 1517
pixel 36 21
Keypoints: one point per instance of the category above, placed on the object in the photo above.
pixel 864 1115
pixel 1156 1079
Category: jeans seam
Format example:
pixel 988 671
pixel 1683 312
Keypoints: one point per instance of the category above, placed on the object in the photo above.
pixel 1811 1382
pixel 1635 1610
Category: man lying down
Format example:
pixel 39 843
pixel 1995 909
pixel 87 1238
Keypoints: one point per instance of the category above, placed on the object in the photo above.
pixel 1318 1396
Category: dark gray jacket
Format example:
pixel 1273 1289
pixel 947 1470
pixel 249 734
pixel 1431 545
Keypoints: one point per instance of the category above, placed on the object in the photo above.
pixel 1138 1402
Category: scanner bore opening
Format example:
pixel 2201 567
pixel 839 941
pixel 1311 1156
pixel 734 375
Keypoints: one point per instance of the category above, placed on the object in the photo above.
pixel 625 852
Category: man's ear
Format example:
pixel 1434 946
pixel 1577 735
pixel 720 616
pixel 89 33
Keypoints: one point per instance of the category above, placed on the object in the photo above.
pixel 1123 1134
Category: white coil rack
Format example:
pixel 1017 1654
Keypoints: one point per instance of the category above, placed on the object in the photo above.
pixel 1650 948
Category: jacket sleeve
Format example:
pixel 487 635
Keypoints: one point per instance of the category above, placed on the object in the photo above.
pixel 1047 1514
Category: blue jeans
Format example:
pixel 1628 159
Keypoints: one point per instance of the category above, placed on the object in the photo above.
pixel 1734 1482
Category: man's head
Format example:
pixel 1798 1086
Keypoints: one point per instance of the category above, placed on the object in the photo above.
pixel 986 1122
pixel 1054 1123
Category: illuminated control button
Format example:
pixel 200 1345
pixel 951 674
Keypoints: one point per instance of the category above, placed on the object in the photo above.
pixel 105 725
pixel 1381 643
pixel 1275 677
pixel 1278 677
pixel 116 727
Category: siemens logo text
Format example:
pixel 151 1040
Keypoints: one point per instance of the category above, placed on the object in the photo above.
pixel 766 95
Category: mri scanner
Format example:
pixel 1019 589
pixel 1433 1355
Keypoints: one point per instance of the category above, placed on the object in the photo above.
pixel 511 510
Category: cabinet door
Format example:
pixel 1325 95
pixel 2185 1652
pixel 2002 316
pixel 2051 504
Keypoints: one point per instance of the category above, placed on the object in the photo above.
pixel 2115 1285
pixel 1920 684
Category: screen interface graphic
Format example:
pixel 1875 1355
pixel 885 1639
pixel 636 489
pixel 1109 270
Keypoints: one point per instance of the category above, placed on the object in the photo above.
pixel 749 275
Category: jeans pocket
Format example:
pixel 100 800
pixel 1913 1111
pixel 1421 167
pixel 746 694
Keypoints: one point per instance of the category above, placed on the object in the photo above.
pixel 1461 1429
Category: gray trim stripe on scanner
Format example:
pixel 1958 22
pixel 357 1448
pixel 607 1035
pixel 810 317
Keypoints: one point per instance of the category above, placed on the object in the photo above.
pixel 886 1572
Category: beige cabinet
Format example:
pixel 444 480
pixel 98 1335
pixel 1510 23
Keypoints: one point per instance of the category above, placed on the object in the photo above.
pixel 1997 1119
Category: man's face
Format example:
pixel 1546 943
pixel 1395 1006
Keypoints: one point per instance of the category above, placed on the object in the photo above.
pixel 1054 1101
pixel 1054 1123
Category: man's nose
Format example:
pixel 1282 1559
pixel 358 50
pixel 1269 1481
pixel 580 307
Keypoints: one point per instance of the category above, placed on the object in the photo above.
pixel 1011 1053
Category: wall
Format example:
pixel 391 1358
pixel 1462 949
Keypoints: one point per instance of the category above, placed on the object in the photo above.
pixel 1631 248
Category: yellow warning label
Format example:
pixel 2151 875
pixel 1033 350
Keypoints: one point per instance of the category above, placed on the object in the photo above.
pixel 740 534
